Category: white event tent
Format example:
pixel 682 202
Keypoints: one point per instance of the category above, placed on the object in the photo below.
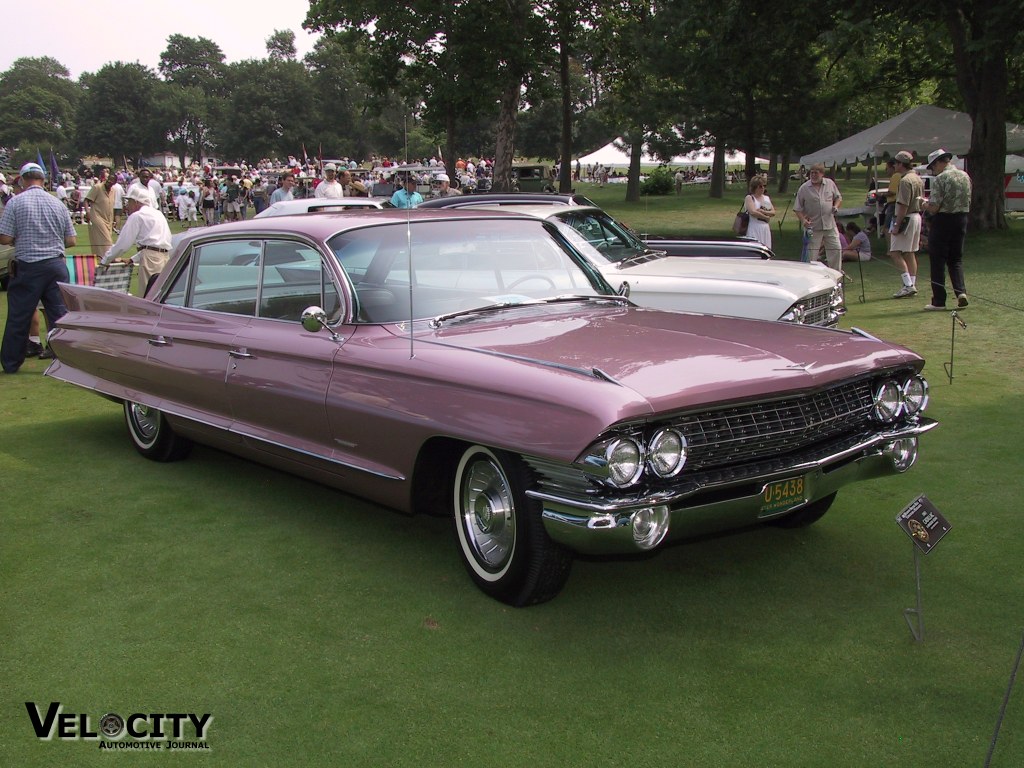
pixel 919 130
pixel 612 156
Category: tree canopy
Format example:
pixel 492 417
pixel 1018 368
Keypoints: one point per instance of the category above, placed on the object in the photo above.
pixel 546 78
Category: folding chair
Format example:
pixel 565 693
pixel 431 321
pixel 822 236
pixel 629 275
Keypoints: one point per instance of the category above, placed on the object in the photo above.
pixel 84 269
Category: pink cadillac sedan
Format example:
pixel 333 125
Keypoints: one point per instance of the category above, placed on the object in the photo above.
pixel 472 364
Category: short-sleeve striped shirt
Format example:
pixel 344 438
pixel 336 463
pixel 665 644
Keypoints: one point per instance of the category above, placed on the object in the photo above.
pixel 38 222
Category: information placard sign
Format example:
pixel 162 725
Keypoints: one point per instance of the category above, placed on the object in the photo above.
pixel 923 523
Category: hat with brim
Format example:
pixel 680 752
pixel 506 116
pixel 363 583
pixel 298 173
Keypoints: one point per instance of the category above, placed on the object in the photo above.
pixel 139 195
pixel 937 155
pixel 904 157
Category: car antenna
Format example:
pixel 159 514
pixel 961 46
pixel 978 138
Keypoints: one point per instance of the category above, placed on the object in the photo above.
pixel 408 252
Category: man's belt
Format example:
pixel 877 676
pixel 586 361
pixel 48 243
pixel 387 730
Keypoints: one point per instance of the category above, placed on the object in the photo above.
pixel 153 248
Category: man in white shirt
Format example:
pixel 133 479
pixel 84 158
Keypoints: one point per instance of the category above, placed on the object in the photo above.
pixel 330 188
pixel 118 204
pixel 146 228
pixel 146 181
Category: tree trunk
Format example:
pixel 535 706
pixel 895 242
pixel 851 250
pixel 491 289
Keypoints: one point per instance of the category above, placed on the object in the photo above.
pixel 717 190
pixel 449 145
pixel 633 180
pixel 565 169
pixel 505 134
pixel 981 74
pixel 783 185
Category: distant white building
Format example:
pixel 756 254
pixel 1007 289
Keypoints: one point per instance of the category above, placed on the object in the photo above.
pixel 163 160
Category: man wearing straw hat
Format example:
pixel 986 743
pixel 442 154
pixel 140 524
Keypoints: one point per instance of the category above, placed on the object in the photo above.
pixel 949 203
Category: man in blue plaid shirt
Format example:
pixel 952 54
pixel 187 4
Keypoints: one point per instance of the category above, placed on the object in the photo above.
pixel 40 228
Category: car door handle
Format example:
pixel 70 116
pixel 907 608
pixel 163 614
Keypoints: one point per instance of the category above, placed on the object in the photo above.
pixel 242 353
pixel 159 341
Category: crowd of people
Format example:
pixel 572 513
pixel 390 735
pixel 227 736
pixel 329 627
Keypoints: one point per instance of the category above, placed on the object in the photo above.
pixel 40 225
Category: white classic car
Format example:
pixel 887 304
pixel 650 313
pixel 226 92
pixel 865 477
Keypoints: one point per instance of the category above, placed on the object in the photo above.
pixel 789 291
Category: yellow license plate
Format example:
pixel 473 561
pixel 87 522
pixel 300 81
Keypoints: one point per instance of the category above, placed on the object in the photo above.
pixel 782 496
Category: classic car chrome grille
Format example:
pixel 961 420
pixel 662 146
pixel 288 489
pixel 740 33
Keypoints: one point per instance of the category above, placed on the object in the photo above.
pixel 817 308
pixel 747 437
pixel 754 432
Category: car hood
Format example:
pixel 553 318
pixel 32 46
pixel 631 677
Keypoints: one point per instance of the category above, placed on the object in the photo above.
pixel 673 360
pixel 796 277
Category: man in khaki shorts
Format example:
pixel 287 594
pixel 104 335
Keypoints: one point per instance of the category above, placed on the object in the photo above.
pixel 905 230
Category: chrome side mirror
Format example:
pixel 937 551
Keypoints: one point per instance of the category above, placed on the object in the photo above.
pixel 624 289
pixel 313 319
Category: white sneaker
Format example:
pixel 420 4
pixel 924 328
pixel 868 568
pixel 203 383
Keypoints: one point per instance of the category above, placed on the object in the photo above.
pixel 933 308
pixel 906 290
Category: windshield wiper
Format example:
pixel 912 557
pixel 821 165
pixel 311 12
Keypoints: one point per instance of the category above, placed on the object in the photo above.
pixel 435 322
pixel 648 254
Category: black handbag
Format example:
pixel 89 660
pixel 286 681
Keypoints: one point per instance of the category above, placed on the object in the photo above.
pixel 739 224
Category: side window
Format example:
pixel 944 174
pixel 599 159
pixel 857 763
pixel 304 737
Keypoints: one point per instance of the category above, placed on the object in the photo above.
pixel 226 277
pixel 293 278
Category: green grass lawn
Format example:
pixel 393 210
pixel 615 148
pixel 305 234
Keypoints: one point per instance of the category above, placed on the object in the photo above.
pixel 319 629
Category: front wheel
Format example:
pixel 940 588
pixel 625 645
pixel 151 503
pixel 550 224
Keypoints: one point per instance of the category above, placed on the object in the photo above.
pixel 152 436
pixel 501 537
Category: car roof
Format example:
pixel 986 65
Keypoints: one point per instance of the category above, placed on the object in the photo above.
pixel 318 204
pixel 507 198
pixel 541 211
pixel 325 225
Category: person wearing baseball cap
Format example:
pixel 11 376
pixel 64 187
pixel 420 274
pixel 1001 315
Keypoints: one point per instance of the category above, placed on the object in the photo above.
pixel 330 188
pixel 39 227
pixel 949 202
pixel 147 229
pixel 445 186
pixel 905 227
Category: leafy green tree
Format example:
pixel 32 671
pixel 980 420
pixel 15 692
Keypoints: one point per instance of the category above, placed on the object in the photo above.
pixel 270 106
pixel 281 45
pixel 184 114
pixel 194 67
pixel 117 115
pixel 194 62
pixel 38 103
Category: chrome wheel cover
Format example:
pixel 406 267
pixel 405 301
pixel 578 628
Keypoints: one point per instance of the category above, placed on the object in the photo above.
pixel 145 423
pixel 488 514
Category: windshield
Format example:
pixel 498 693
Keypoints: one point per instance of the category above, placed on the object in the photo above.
pixel 605 240
pixel 426 269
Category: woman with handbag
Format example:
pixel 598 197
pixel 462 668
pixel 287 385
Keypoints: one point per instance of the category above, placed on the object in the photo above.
pixel 759 207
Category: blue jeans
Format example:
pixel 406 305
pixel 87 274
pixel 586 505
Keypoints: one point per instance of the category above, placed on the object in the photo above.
pixel 34 281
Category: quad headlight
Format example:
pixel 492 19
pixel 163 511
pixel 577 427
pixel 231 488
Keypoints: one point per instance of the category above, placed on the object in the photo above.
pixel 838 303
pixel 893 399
pixel 625 461
pixel 915 395
pixel 888 402
pixel 667 453
pixel 621 461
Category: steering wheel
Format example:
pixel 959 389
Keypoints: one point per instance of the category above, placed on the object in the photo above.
pixel 524 278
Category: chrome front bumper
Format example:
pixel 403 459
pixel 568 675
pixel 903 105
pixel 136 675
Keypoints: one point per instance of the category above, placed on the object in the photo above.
pixel 604 525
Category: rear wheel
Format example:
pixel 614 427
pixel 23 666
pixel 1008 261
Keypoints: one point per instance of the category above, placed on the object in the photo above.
pixel 806 515
pixel 152 436
pixel 500 534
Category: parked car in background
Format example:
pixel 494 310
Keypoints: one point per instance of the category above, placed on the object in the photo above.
pixel 474 364
pixel 766 290
pixel 724 247
pixel 319 204
pixel 6 256
pixel 528 177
